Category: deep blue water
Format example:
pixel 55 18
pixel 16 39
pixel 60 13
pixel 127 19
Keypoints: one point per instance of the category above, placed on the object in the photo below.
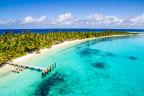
pixel 74 30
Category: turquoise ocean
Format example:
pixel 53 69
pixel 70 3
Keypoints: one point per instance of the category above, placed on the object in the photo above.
pixel 101 67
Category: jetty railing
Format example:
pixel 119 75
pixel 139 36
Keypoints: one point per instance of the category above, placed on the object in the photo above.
pixel 44 70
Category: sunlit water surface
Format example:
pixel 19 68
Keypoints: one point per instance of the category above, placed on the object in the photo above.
pixel 102 67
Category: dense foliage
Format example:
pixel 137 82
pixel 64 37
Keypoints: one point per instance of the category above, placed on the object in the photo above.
pixel 16 45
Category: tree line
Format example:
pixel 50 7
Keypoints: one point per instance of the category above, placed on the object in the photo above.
pixel 14 45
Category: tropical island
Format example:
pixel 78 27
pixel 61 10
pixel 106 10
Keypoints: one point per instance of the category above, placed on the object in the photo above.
pixel 14 45
pixel 72 48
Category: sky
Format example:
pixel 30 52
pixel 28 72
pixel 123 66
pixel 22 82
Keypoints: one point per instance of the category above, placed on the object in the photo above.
pixel 30 14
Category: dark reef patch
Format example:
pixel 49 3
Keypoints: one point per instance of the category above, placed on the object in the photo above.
pixel 132 58
pixel 110 54
pixel 44 87
pixel 89 51
pixel 99 65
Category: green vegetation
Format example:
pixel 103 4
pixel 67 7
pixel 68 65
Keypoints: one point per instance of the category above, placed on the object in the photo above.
pixel 16 45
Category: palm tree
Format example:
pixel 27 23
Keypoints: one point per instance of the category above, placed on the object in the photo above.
pixel 16 45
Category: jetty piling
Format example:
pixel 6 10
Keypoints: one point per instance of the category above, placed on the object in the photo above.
pixel 20 66
pixel 50 68
pixel 55 64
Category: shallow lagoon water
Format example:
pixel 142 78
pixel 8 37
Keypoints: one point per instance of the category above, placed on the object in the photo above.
pixel 101 67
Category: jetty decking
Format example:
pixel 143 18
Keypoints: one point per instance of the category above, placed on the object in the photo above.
pixel 44 70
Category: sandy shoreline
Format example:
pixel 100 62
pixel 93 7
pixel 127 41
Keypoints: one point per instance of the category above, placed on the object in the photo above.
pixel 6 67
pixel 28 56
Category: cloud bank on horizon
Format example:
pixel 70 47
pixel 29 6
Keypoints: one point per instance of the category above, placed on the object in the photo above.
pixel 68 20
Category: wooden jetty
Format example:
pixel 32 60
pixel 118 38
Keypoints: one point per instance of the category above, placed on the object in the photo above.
pixel 44 70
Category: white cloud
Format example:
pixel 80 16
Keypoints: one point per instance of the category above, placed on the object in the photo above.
pixel 10 21
pixel 103 20
pixel 64 19
pixel 29 19
pixel 137 20
pixel 67 20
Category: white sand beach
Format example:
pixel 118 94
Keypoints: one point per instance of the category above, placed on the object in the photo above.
pixel 31 55
pixel 7 67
